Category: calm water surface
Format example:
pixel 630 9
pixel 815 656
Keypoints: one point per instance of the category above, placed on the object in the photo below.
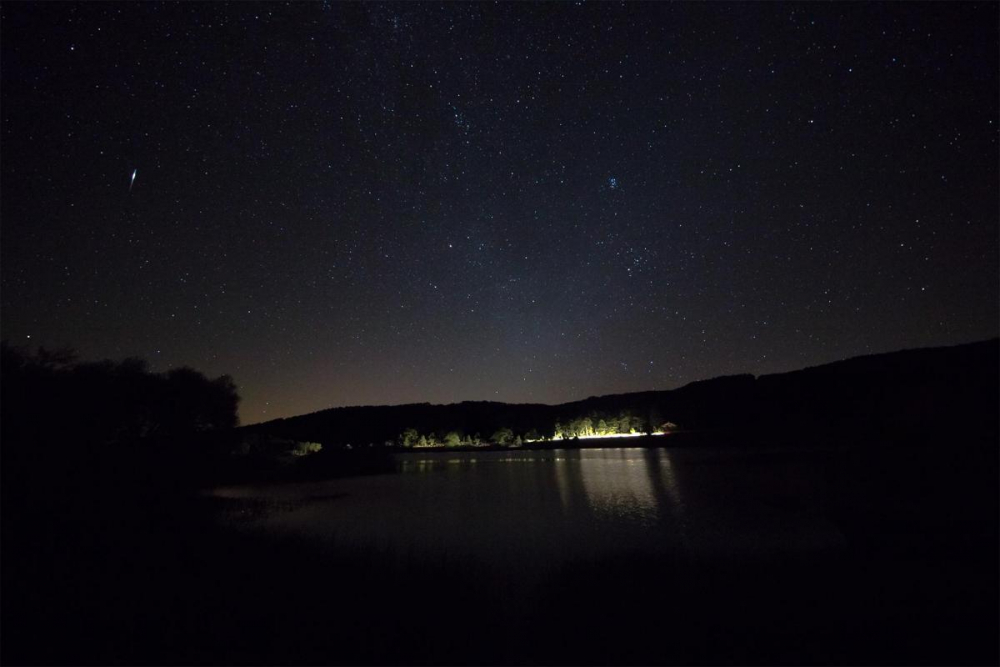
pixel 534 510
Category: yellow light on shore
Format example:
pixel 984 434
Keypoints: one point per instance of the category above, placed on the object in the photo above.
pixel 597 436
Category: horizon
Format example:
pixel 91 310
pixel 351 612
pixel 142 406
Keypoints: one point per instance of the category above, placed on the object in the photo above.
pixel 637 391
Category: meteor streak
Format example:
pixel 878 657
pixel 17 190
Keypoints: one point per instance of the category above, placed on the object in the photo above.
pixel 132 182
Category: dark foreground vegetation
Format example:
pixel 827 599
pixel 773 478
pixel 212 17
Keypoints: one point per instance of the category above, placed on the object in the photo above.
pixel 111 556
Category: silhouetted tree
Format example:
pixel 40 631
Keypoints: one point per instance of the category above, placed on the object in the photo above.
pixel 50 398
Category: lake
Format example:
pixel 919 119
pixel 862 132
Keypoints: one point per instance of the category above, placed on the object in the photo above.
pixel 627 556
pixel 547 508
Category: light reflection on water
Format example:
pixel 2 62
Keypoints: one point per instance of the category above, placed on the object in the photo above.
pixel 536 509
pixel 614 483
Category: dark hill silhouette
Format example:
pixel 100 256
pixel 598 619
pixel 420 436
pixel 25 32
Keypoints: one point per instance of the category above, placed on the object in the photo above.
pixel 919 395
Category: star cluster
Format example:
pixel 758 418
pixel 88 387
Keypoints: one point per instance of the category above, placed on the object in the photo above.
pixel 344 204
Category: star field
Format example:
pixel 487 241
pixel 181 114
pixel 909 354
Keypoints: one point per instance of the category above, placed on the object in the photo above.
pixel 344 204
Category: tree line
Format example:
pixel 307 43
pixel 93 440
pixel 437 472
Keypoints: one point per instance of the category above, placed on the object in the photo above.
pixel 591 425
pixel 53 398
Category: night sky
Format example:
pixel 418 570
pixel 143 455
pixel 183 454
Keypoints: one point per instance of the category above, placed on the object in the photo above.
pixel 375 204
